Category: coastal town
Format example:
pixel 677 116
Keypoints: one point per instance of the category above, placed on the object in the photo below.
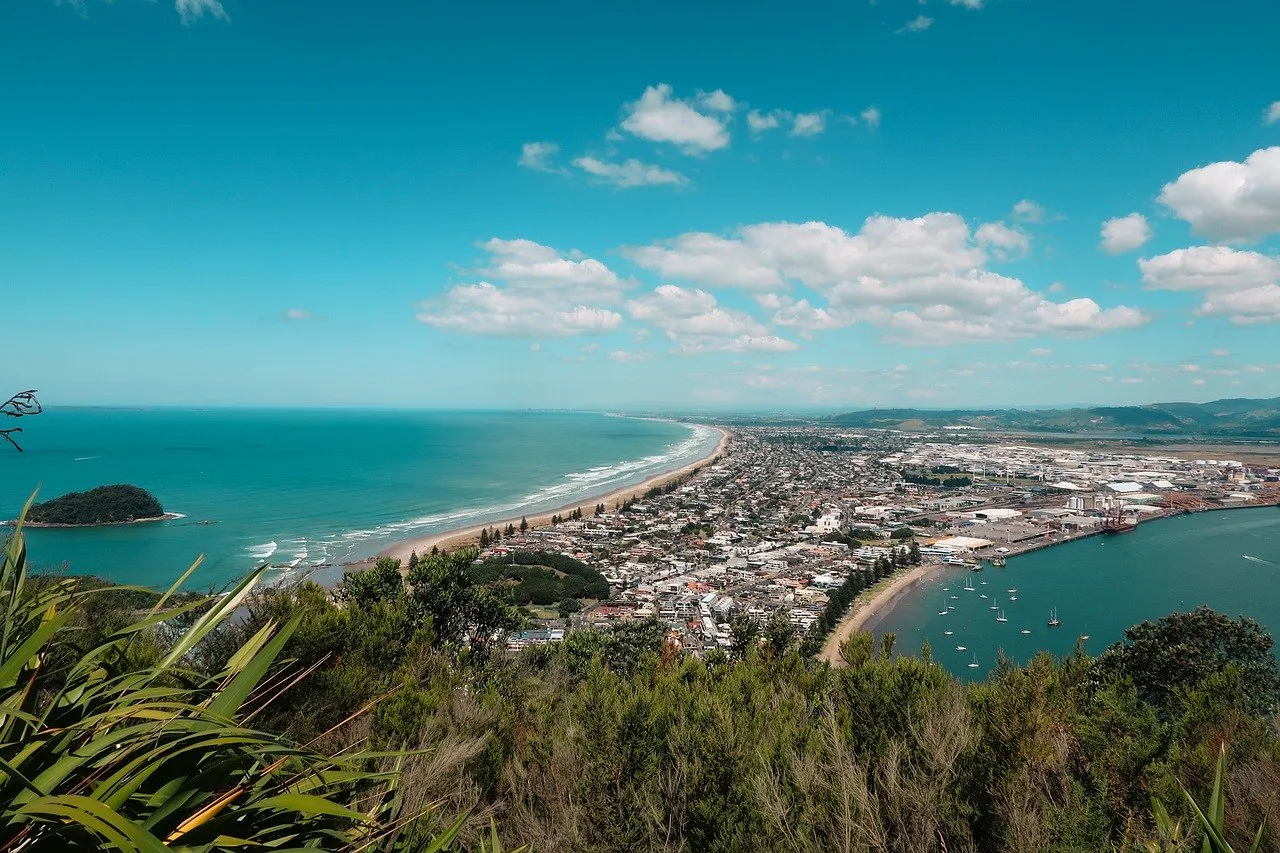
pixel 782 516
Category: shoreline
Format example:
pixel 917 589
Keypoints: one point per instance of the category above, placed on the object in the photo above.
pixel 866 614
pixel 49 525
pixel 457 537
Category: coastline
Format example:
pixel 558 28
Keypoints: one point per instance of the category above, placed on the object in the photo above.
pixel 866 613
pixel 46 525
pixel 872 609
pixel 458 537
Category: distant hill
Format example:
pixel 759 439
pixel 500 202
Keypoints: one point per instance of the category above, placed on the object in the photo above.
pixel 103 505
pixel 1232 418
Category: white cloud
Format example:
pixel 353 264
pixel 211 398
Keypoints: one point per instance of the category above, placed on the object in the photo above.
pixel 1040 352
pixel 1244 286
pixel 759 122
pixel 1273 113
pixel 483 309
pixel 1125 234
pixel 799 314
pixel 968 4
pixel 871 115
pixel 191 11
pixel 1132 380
pixel 659 117
pixel 1230 201
pixel 808 124
pixel 923 279
pixel 1095 368
pixel 717 101
pixel 695 323
pixel 537 155
pixel 1221 353
pixel 1027 211
pixel 297 314
pixel 545 294
pixel 1005 243
pixel 535 347
pixel 630 173
pixel 918 24
pixel 1190 368
pixel 624 355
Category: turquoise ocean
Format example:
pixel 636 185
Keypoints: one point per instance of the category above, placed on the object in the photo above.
pixel 1228 559
pixel 303 488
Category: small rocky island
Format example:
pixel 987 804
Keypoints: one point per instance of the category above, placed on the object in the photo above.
pixel 119 504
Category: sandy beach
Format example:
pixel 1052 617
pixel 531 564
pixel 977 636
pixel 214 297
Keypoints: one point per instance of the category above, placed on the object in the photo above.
pixel 450 539
pixel 867 608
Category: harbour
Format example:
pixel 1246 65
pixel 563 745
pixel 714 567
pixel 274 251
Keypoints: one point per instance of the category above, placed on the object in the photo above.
pixel 1095 589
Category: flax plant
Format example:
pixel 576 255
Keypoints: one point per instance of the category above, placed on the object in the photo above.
pixel 101 752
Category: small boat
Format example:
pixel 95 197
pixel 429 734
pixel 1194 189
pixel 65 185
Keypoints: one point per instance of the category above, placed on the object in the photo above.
pixel 1084 636
pixel 1013 598
pixel 947 633
pixel 974 665
pixel 961 649
pixel 984 595
pixel 954 597
pixel 998 562
pixel 969 587
pixel 1026 630
pixel 1013 589
pixel 1054 622
pixel 982 583
pixel 1002 617
pixel 951 607
pixel 994 607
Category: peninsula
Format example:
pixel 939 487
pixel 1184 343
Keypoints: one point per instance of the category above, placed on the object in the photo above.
pixel 104 505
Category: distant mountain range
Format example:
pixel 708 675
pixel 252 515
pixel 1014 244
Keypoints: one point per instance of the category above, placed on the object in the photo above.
pixel 1235 418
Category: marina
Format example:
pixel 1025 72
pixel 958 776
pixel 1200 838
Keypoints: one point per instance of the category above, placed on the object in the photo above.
pixel 1094 590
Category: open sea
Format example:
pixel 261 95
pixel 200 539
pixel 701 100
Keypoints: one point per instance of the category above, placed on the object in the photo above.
pixel 309 487
pixel 1227 559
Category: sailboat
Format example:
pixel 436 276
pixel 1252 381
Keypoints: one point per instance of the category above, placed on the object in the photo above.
pixel 1053 618
pixel 974 665
pixel 968 586
pixel 1002 617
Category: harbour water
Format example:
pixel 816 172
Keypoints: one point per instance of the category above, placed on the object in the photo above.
pixel 309 487
pixel 1099 586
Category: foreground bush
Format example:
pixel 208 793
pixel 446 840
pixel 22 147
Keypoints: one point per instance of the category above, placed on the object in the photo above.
pixel 123 743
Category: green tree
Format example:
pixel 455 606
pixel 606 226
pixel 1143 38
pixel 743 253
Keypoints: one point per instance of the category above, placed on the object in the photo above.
pixel 1176 653
pixel 383 582
pixel 484 537
pixel 459 612
pixel 914 553
pixel 524 524
pixel 413 561
pixel 568 607
pixel 744 632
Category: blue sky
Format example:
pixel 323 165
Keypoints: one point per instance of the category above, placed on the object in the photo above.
pixel 731 205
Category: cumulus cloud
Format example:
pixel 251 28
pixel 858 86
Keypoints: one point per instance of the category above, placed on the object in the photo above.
pixel 1027 211
pixel 871 115
pixel 693 320
pixel 538 155
pixel 297 314
pixel 1125 234
pixel 1040 352
pixel 968 4
pixel 630 173
pixel 1242 285
pixel 1273 113
pixel 191 11
pixel 659 117
pixel 1230 201
pixel 1004 242
pixel 923 279
pixel 1221 353
pixel 624 355
pixel 717 101
pixel 758 122
pixel 808 124
pixel 543 294
pixel 918 24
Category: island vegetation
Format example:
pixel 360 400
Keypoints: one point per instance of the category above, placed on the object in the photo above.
pixel 116 504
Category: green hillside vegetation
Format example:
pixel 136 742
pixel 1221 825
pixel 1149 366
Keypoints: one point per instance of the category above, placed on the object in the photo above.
pixel 1231 418
pixel 541 577
pixel 386 716
pixel 103 505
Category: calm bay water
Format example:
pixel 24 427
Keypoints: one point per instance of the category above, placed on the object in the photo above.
pixel 316 486
pixel 1229 560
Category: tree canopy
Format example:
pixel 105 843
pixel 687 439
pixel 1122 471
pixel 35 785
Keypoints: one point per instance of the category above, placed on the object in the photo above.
pixel 102 505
